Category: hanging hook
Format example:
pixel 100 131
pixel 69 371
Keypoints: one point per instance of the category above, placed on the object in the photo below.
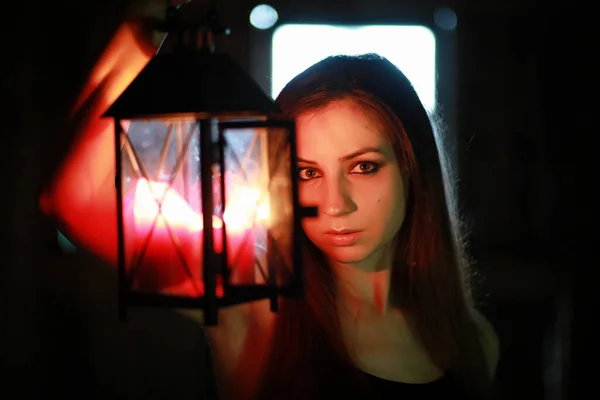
pixel 195 33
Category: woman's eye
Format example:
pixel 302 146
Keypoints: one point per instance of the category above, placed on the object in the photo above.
pixel 306 174
pixel 365 168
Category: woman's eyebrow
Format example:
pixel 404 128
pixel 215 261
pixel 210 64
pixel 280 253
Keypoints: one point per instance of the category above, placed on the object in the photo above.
pixel 350 156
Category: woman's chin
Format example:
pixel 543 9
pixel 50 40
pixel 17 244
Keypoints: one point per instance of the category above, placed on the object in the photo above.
pixel 356 256
pixel 346 255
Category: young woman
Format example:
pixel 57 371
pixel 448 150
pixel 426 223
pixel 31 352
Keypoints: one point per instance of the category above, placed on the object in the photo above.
pixel 387 311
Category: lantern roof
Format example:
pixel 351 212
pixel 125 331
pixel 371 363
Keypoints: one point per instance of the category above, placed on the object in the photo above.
pixel 192 82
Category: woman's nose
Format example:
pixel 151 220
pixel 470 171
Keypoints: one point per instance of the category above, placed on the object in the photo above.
pixel 338 200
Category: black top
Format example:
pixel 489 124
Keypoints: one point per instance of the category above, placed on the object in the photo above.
pixel 443 387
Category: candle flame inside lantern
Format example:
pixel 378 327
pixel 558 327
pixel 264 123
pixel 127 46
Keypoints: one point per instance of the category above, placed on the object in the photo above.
pixel 243 208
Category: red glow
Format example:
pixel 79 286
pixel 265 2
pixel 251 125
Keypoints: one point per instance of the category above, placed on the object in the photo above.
pixel 174 208
pixel 162 259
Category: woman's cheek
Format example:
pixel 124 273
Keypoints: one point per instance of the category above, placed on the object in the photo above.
pixel 308 224
pixel 311 230
pixel 308 194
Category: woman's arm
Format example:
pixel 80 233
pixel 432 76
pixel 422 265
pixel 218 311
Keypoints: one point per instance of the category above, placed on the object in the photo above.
pixel 82 196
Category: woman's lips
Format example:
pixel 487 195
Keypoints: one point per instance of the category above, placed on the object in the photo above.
pixel 343 237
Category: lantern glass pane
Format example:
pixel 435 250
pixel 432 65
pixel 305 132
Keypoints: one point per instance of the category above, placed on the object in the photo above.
pixel 252 211
pixel 161 206
pixel 258 206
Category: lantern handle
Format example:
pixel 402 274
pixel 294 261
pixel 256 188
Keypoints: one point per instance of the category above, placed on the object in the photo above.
pixel 193 34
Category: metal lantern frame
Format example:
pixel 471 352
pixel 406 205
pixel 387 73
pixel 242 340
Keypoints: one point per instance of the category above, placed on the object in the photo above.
pixel 219 90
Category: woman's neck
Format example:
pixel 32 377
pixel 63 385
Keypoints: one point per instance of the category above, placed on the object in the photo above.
pixel 364 286
pixel 361 290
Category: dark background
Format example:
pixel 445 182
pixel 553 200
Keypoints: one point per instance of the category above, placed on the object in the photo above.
pixel 517 83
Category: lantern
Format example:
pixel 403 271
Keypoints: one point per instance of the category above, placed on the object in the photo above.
pixel 207 189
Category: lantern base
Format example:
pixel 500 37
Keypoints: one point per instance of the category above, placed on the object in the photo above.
pixel 234 295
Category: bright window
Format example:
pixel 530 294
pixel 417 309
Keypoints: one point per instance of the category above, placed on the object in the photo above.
pixel 410 47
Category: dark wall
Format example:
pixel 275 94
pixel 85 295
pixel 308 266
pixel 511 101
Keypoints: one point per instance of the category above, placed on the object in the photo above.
pixel 524 156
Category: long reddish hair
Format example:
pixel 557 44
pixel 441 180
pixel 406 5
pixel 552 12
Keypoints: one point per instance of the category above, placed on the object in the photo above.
pixel 430 279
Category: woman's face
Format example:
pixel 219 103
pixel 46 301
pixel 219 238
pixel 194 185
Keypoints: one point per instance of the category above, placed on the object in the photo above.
pixel 349 171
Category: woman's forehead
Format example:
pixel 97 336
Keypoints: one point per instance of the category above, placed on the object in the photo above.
pixel 338 129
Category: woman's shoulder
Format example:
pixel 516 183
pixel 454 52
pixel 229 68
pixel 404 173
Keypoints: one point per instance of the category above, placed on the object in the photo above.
pixel 489 340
